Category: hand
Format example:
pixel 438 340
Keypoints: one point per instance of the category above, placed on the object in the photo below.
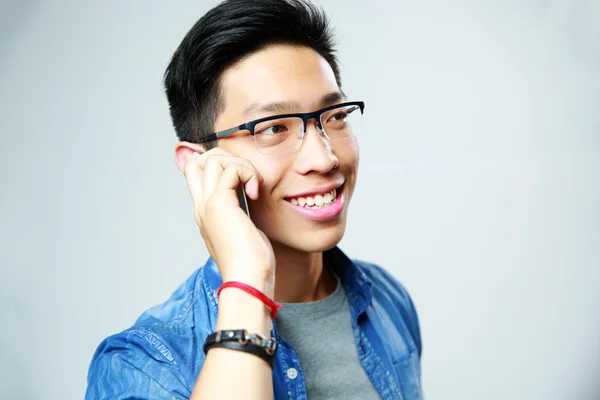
pixel 241 251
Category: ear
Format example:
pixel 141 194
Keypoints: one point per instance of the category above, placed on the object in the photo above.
pixel 185 152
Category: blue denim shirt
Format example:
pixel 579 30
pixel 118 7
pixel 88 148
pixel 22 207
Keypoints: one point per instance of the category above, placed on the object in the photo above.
pixel 160 357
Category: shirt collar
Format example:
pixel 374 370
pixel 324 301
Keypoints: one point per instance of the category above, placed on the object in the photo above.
pixel 356 284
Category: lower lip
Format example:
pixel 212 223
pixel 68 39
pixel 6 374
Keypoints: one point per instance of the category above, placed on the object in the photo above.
pixel 326 213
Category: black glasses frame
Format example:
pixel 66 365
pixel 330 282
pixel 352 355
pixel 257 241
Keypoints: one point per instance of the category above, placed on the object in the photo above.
pixel 249 126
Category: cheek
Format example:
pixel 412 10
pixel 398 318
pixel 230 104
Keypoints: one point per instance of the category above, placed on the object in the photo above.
pixel 272 169
pixel 348 153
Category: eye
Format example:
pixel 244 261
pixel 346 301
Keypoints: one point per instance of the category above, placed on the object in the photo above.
pixel 271 130
pixel 339 116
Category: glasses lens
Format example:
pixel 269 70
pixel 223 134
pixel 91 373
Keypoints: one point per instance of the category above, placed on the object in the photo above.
pixel 343 122
pixel 277 134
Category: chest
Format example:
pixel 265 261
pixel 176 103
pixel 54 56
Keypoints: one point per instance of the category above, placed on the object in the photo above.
pixel 338 357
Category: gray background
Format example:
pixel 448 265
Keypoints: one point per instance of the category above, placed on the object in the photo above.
pixel 478 188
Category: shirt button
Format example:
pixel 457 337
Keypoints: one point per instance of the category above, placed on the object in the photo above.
pixel 292 373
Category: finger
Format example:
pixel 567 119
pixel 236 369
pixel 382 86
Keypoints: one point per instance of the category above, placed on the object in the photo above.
pixel 194 169
pixel 252 188
pixel 234 175
pixel 214 169
pixel 194 178
pixel 223 158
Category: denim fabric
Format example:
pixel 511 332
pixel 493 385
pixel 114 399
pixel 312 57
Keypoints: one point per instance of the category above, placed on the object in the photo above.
pixel 160 357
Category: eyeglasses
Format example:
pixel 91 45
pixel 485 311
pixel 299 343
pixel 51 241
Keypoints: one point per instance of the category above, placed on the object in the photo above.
pixel 285 132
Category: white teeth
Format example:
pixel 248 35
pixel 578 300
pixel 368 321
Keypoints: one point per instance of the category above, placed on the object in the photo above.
pixel 318 201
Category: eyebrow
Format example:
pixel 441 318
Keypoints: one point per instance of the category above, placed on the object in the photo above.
pixel 282 107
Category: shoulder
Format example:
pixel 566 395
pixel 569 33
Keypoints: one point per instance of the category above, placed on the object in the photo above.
pixel 388 290
pixel 134 364
pixel 160 349
pixel 384 282
pixel 177 311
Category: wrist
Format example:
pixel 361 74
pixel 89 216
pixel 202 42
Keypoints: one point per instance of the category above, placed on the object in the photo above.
pixel 240 310
pixel 267 301
pixel 262 283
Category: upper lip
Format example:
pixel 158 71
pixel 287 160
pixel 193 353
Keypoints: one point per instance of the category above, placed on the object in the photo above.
pixel 318 190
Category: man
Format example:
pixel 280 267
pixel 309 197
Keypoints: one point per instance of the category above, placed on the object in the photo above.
pixel 262 75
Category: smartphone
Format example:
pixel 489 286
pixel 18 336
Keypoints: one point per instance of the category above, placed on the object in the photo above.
pixel 241 194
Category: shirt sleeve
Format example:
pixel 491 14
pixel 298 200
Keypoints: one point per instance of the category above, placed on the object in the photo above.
pixel 414 324
pixel 126 366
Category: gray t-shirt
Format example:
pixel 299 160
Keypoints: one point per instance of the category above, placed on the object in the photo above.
pixel 321 333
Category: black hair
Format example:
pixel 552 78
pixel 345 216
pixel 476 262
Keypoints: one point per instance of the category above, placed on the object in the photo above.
pixel 225 35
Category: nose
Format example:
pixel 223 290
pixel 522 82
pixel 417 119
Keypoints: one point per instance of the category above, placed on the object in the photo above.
pixel 317 124
pixel 316 153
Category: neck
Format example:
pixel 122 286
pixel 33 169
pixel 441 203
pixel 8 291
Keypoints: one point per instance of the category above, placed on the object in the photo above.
pixel 301 277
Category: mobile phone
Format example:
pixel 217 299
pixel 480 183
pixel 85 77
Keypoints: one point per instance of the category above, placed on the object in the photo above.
pixel 241 194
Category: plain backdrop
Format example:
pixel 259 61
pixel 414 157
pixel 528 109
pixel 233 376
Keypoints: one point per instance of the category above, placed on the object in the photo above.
pixel 479 185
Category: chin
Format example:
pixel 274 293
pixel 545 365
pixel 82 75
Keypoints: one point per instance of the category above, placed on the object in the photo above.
pixel 285 229
pixel 309 242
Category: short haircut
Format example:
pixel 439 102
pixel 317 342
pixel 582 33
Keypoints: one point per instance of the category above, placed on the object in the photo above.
pixel 225 35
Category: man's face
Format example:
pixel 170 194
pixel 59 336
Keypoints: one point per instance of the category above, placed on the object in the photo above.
pixel 300 78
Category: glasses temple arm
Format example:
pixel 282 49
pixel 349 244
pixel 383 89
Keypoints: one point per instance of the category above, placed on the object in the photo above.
pixel 219 135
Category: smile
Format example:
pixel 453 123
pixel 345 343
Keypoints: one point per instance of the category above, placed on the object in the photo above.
pixel 319 206
pixel 320 200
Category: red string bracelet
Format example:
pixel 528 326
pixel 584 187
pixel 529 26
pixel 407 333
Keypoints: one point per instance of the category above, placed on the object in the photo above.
pixel 271 305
